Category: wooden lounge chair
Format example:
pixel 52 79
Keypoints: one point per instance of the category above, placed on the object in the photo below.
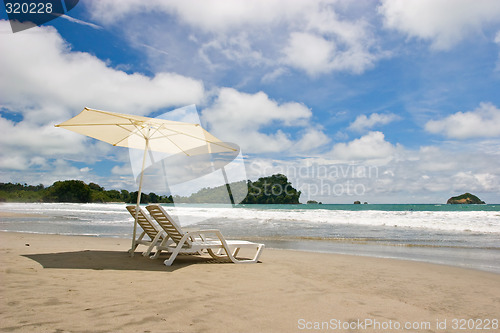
pixel 155 234
pixel 193 242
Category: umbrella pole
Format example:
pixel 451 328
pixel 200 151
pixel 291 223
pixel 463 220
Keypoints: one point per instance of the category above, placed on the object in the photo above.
pixel 139 193
pixel 228 187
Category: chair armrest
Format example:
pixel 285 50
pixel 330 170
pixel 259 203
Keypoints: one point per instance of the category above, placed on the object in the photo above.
pixel 201 234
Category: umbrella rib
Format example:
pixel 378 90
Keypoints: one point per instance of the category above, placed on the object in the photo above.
pixel 138 130
pixel 166 136
pixel 192 136
pixel 90 124
pixel 119 115
pixel 131 132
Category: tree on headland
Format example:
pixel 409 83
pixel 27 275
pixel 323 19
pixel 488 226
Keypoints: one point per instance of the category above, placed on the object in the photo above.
pixel 68 191
pixel 275 189
pixel 21 192
pixel 124 196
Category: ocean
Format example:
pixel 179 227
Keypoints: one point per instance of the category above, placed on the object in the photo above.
pixel 459 235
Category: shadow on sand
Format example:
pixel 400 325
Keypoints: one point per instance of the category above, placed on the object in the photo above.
pixel 112 260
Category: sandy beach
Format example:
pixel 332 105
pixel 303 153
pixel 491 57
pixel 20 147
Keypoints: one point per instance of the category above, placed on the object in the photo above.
pixel 54 283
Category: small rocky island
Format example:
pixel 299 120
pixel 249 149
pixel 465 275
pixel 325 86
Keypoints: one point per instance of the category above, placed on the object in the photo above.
pixel 465 198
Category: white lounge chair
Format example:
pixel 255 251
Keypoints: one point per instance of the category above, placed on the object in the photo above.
pixel 155 234
pixel 193 242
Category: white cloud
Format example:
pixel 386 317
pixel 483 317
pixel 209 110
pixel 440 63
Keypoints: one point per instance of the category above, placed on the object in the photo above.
pixel 245 119
pixel 443 22
pixel 430 174
pixel 265 33
pixel 363 123
pixel 326 42
pixel 236 48
pixel 44 82
pixel 14 162
pixel 433 159
pixel 121 170
pixel 41 71
pixel 217 16
pixel 482 122
pixel 309 52
pixel 28 138
pixel 371 146
pixel 469 181
pixel 274 75
pixel 312 138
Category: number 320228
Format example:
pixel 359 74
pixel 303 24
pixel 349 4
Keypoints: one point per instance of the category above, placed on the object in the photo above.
pixel 28 8
pixel 477 324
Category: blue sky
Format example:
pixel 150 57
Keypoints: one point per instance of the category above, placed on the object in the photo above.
pixel 394 101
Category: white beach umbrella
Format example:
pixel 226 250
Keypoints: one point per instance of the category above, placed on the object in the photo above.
pixel 145 133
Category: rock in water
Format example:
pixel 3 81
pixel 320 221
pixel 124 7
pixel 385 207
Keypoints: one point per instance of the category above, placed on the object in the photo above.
pixel 465 198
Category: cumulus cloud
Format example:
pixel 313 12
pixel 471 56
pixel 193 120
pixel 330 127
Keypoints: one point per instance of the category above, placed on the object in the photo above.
pixel 469 181
pixel 315 54
pixel 433 159
pixel 371 146
pixel 45 82
pixel 443 22
pixel 314 36
pixel 311 139
pixel 246 119
pixel 31 139
pixel 309 52
pixel 363 123
pixel 212 15
pixel 79 79
pixel 424 175
pixel 483 122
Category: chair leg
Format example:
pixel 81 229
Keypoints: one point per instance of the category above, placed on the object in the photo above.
pixel 131 250
pixel 260 247
pixel 176 251
pixel 152 245
pixel 137 242
pixel 259 252
pixel 172 257
pixel 218 256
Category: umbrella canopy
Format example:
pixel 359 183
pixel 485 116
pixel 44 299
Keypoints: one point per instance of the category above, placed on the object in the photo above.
pixel 132 131
pixel 145 133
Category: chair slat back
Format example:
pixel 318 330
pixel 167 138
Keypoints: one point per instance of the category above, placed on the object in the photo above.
pixel 167 223
pixel 144 221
